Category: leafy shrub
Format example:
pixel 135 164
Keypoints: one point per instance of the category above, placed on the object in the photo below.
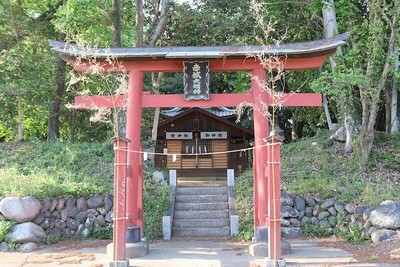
pixel 354 235
pixel 156 201
pixel 244 205
pixel 311 230
pixel 14 246
pixel 104 233
pixel 51 239
pixel 5 227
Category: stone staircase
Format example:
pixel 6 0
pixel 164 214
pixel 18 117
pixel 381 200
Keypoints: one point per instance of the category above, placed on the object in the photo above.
pixel 201 211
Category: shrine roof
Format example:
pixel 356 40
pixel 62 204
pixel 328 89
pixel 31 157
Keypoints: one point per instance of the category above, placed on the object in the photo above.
pixel 311 48
pixel 217 111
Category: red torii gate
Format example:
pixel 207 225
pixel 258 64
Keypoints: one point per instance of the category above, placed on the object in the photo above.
pixel 136 61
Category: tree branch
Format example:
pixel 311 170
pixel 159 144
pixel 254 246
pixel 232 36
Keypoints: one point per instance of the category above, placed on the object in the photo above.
pixel 161 25
pixel 391 45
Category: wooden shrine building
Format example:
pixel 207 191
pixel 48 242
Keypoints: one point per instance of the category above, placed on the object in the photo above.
pixel 200 138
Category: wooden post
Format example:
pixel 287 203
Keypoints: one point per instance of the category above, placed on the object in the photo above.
pixel 273 177
pixel 140 193
pixel 133 127
pixel 261 130
pixel 120 173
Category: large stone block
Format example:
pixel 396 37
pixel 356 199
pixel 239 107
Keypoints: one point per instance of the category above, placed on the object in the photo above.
pixel 379 236
pixel 328 203
pixel 299 203
pixel 81 204
pixel 261 249
pixel 26 232
pixel 386 215
pixel 18 209
pixel 95 202
pixel 133 250
pixel 289 212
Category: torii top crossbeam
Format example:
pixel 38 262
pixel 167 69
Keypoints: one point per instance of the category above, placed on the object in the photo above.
pixel 292 54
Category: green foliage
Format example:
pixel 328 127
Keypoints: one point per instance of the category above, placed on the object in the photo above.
pixel 311 230
pixel 76 19
pixel 374 257
pixel 51 239
pixel 55 169
pixel 14 246
pixel 103 233
pixel 245 205
pixel 326 169
pixel 354 235
pixel 5 227
pixel 64 169
pixel 156 200
pixel 26 63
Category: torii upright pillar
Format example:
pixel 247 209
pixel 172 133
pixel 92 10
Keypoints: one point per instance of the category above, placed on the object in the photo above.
pixel 133 128
pixel 261 131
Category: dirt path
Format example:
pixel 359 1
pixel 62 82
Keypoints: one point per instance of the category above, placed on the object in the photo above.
pixel 386 252
pixel 308 252
pixel 90 253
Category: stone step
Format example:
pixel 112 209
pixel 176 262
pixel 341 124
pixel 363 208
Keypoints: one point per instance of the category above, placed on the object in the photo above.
pixel 201 198
pixel 224 214
pixel 202 190
pixel 203 223
pixel 201 206
pixel 201 232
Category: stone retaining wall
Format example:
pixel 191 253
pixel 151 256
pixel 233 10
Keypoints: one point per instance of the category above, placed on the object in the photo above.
pixel 69 217
pixel 379 224
pixel 61 217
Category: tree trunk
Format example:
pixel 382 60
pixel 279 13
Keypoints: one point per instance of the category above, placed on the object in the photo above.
pixel 327 113
pixel 370 94
pixel 116 22
pixel 161 25
pixel 295 138
pixel 161 18
pixel 388 102
pixel 119 114
pixel 156 90
pixel 350 130
pixel 139 23
pixel 368 128
pixel 55 106
pixel 330 29
pixel 20 119
pixel 395 90
pixel 72 125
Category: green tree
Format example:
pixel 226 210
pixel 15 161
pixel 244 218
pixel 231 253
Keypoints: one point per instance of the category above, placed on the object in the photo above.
pixel 24 73
pixel 368 61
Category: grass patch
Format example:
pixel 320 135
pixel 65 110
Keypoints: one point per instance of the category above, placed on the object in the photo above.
pixel 156 200
pixel 354 235
pixel 311 230
pixel 323 168
pixel 55 169
pixel 245 205
pixel 64 169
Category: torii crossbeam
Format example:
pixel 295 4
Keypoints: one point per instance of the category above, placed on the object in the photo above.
pixel 136 61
